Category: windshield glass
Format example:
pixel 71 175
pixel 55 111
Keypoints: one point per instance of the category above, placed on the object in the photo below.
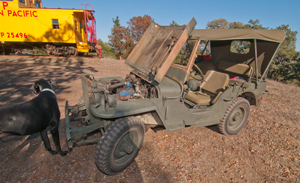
pixel 185 53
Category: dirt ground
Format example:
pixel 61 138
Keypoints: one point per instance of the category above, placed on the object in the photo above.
pixel 266 150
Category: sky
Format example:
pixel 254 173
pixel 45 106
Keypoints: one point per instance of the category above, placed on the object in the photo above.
pixel 271 13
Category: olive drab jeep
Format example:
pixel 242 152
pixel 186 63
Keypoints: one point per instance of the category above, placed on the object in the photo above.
pixel 180 77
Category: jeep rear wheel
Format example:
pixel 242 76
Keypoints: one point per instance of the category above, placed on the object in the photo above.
pixel 119 145
pixel 235 117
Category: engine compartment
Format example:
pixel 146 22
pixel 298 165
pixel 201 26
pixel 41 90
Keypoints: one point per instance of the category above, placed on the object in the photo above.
pixel 132 88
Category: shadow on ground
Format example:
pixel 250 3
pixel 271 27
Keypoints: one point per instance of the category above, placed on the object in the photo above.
pixel 24 158
pixel 16 79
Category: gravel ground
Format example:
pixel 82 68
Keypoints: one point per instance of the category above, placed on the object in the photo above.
pixel 266 150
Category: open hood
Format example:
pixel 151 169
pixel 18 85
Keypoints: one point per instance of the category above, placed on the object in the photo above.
pixel 157 49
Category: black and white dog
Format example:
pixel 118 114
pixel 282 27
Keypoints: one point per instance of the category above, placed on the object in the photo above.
pixel 34 116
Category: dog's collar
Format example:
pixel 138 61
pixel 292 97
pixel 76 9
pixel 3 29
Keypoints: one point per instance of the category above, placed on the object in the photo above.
pixel 47 89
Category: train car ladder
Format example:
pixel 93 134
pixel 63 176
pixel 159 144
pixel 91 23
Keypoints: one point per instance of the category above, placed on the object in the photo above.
pixel 90 27
pixel 90 24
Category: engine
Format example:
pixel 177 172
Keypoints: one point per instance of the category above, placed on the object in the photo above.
pixel 130 88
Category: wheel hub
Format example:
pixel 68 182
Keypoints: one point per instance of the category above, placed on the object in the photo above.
pixel 236 117
pixel 127 146
pixel 124 147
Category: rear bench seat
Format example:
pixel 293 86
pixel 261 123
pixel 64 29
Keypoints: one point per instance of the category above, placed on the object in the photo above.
pixel 235 69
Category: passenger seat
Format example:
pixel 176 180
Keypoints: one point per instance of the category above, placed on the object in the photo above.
pixel 212 87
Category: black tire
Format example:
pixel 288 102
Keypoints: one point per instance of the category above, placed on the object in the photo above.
pixel 235 117
pixel 119 145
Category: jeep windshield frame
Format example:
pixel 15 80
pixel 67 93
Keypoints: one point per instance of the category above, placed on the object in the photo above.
pixel 153 55
pixel 180 70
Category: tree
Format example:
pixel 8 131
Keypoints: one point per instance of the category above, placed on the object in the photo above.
pixel 255 25
pixel 252 24
pixel 117 38
pixel 138 25
pixel 220 23
pixel 174 23
pixel 106 49
pixel 123 39
pixel 287 49
pixel 236 25
pixel 116 22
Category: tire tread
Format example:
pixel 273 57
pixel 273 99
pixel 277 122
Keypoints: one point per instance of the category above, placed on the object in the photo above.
pixel 232 106
pixel 106 144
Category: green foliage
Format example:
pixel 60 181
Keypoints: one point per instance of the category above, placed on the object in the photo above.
pixel 116 22
pixel 287 49
pixel 240 47
pixel 252 24
pixel 284 69
pixel 236 25
pixel 255 25
pixel 220 23
pixel 173 23
pixel 107 50
pixel 287 73
pixel 185 53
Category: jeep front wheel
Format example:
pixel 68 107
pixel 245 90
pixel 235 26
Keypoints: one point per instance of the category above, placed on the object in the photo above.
pixel 235 117
pixel 119 145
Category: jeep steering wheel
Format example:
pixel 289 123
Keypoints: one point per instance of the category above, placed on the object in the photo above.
pixel 199 72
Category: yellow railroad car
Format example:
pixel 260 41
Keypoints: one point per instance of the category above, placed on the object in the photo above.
pixel 26 24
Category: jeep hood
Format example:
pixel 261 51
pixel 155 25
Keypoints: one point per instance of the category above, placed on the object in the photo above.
pixel 157 49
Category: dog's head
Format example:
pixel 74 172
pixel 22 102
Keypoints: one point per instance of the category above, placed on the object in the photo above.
pixel 41 84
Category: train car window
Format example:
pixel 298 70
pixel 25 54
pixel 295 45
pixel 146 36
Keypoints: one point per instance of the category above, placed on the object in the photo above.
pixel 75 25
pixel 55 24
pixel 22 1
pixel 38 4
pixel 80 26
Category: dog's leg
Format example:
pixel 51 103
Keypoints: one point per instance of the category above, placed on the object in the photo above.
pixel 47 142
pixel 55 136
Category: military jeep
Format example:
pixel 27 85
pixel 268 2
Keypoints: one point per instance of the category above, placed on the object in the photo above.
pixel 180 77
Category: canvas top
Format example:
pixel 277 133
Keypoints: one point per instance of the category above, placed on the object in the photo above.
pixel 231 34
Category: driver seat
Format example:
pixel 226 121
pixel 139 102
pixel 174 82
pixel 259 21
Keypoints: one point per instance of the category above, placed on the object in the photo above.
pixel 211 88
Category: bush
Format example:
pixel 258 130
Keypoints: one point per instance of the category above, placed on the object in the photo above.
pixel 106 49
pixel 287 73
